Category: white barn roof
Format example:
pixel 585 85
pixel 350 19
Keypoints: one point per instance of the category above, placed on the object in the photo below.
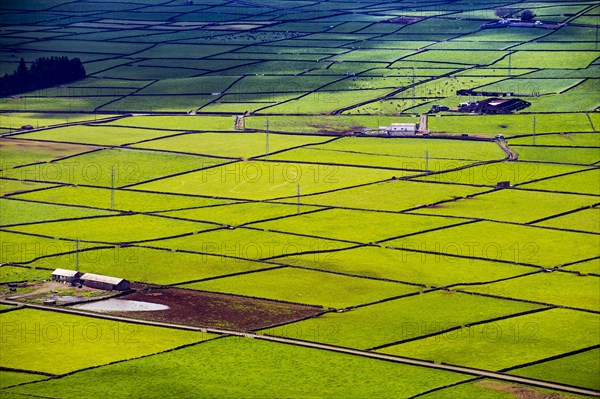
pixel 101 279
pixel 64 273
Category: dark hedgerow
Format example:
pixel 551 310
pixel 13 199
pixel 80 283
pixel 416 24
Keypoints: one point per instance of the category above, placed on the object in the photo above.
pixel 44 72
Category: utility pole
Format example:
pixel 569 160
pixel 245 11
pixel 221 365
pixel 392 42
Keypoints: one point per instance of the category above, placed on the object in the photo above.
pixel 534 129
pixel 112 187
pixel 77 255
pixel 267 144
pixel 413 86
pixel 298 206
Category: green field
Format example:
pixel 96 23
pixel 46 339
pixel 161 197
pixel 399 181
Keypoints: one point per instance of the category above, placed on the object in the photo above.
pixel 562 289
pixel 307 286
pixel 267 370
pixel 511 206
pixel 510 243
pixel 400 319
pixel 421 268
pixel 103 341
pixel 567 370
pixel 230 159
pixel 508 342
pixel 143 265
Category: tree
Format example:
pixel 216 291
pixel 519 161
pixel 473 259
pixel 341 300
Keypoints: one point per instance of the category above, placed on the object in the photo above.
pixel 527 15
pixel 44 72
pixel 504 12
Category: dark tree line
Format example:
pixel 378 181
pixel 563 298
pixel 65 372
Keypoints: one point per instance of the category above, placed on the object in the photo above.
pixel 44 72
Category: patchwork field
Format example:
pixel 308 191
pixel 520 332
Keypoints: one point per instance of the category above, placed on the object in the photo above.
pixel 239 165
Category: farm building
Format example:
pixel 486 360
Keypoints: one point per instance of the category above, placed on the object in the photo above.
pixel 65 276
pixel 104 282
pixel 492 106
pixel 399 129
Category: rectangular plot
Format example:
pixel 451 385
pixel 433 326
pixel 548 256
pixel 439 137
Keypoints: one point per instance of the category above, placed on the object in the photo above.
pixel 127 165
pixel 17 212
pixel 146 265
pixel 326 102
pixel 556 288
pixel 567 370
pixel 588 267
pixel 123 200
pixel 508 342
pixel 306 286
pixel 9 378
pixel 576 182
pixel 168 50
pixel 176 103
pixel 407 147
pixel 263 180
pixel 179 122
pixel 586 220
pixel 22 152
pixel 359 226
pixel 236 145
pixel 54 104
pixel 526 86
pixel 248 244
pixel 372 55
pixel 239 213
pixel 395 195
pixel 324 124
pixel 99 135
pixel 198 85
pixel 408 164
pixel 581 156
pixel 255 369
pixel 512 206
pixel 22 248
pixel 491 174
pixel 560 139
pixel 399 319
pixel 549 59
pixel 510 124
pixel 511 243
pixel 40 347
pixel 17 186
pixel 10 274
pixel 458 56
pixel 414 267
pixel 114 228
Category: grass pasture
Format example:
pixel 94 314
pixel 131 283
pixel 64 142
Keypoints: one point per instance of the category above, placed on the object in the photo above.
pixel 505 242
pixel 122 200
pixel 562 289
pixel 399 319
pixel 260 180
pixel 306 286
pixel 508 342
pixel 416 267
pixel 126 340
pixel 266 362
pixel 226 158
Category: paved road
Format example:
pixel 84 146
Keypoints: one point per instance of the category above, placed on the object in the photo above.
pixel 333 348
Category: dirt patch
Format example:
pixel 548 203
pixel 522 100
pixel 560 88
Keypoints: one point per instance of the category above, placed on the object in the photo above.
pixel 347 132
pixel 52 150
pixel 522 392
pixel 208 309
